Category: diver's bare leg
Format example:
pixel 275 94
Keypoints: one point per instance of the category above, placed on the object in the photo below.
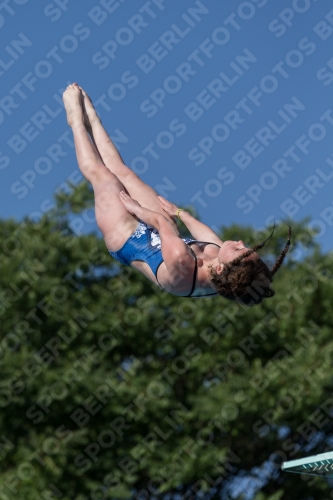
pixel 137 189
pixel 115 222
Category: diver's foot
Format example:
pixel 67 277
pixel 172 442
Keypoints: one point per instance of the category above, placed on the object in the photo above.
pixel 89 112
pixel 73 104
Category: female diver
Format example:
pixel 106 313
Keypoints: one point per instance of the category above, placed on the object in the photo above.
pixel 139 226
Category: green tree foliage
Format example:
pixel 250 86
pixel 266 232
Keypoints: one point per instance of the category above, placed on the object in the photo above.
pixel 111 388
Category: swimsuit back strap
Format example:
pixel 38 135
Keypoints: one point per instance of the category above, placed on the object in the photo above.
pixel 195 273
pixel 195 268
pixel 194 276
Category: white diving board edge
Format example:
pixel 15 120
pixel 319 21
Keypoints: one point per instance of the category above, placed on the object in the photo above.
pixel 318 465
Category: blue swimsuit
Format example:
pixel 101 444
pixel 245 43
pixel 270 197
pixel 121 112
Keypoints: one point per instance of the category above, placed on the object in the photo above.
pixel 145 244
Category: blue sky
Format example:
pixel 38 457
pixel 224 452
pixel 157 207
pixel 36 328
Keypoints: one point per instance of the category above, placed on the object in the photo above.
pixel 225 104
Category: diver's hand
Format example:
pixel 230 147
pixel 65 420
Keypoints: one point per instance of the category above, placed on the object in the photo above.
pixel 170 208
pixel 130 204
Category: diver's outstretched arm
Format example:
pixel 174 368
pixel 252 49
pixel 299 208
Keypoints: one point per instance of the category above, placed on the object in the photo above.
pixel 199 231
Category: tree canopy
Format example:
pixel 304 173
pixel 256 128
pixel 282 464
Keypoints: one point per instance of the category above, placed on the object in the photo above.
pixel 112 388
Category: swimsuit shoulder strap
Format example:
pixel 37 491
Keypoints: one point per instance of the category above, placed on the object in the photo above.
pixel 206 242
